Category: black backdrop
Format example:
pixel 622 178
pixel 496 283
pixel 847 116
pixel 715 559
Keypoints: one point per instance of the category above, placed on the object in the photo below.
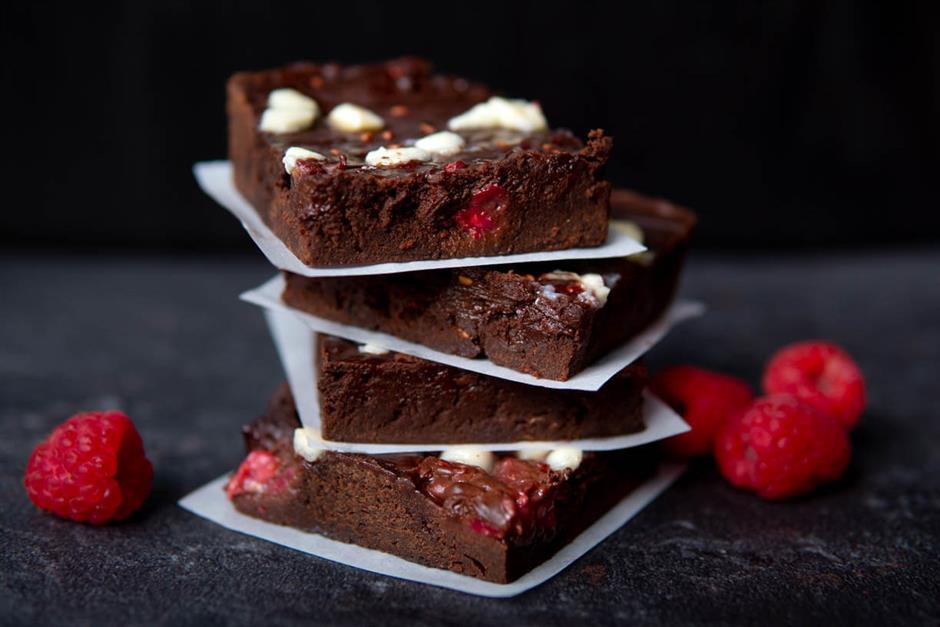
pixel 784 123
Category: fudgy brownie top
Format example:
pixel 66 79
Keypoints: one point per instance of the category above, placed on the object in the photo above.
pixel 514 500
pixel 411 103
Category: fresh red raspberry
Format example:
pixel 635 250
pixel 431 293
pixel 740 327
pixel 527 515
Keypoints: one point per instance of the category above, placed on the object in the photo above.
pixel 91 468
pixel 781 447
pixel 820 374
pixel 705 399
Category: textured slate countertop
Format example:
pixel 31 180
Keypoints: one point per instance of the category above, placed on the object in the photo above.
pixel 166 340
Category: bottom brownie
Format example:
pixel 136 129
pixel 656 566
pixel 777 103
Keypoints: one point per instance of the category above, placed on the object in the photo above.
pixel 494 520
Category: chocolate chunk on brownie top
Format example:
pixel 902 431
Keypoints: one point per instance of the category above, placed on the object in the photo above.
pixel 390 162
pixel 494 521
pixel 367 395
pixel 549 320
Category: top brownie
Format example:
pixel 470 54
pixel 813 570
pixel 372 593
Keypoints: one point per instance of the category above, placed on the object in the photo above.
pixel 389 162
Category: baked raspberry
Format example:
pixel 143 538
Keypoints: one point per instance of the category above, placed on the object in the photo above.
pixel 453 166
pixel 781 447
pixel 571 289
pixel 255 472
pixel 705 399
pixel 92 468
pixel 479 216
pixel 822 375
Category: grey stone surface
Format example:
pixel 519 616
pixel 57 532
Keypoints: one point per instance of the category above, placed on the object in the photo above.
pixel 166 340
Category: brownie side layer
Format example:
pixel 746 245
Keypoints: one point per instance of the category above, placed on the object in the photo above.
pixel 539 191
pixel 509 314
pixel 396 398
pixel 445 515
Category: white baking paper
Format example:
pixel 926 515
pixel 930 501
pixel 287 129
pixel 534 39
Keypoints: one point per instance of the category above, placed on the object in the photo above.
pixel 215 179
pixel 210 502
pixel 591 378
pixel 295 345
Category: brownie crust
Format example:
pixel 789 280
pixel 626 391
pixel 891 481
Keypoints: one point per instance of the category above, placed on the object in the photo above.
pixel 339 211
pixel 508 314
pixel 397 398
pixel 428 511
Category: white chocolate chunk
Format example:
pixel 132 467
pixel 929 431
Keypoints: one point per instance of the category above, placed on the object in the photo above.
pixel 391 157
pixel 286 120
pixel 351 118
pixel 305 440
pixel 566 457
pixel 470 456
pixel 372 349
pixel 287 98
pixel 295 153
pixel 628 228
pixel 594 283
pixel 443 143
pixel 534 455
pixel 633 231
pixel 288 111
pixel 517 115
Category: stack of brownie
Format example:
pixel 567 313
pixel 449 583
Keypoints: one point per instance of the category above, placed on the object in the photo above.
pixel 390 163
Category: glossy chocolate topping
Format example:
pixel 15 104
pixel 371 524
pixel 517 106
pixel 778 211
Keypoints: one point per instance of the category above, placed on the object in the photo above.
pixel 411 100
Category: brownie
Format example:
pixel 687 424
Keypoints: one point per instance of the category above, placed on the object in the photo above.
pixel 504 191
pixel 395 398
pixel 531 317
pixel 494 525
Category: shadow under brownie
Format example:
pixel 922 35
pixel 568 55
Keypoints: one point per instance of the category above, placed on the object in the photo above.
pixel 494 524
pixel 532 318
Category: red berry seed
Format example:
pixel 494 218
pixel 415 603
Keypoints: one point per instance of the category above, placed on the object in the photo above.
pixel 479 216
pixel 822 375
pixel 781 447
pixel 705 399
pixel 92 468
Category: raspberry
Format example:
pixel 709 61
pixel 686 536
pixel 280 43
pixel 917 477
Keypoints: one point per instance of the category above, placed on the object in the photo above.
pixel 91 468
pixel 781 447
pixel 258 468
pixel 479 216
pixel 706 401
pixel 822 375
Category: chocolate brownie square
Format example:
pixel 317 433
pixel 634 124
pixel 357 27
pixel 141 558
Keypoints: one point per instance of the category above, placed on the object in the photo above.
pixel 494 520
pixel 371 395
pixel 533 318
pixel 390 162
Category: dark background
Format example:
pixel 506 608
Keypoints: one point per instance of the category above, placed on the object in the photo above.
pixel 783 123
pixel 808 124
